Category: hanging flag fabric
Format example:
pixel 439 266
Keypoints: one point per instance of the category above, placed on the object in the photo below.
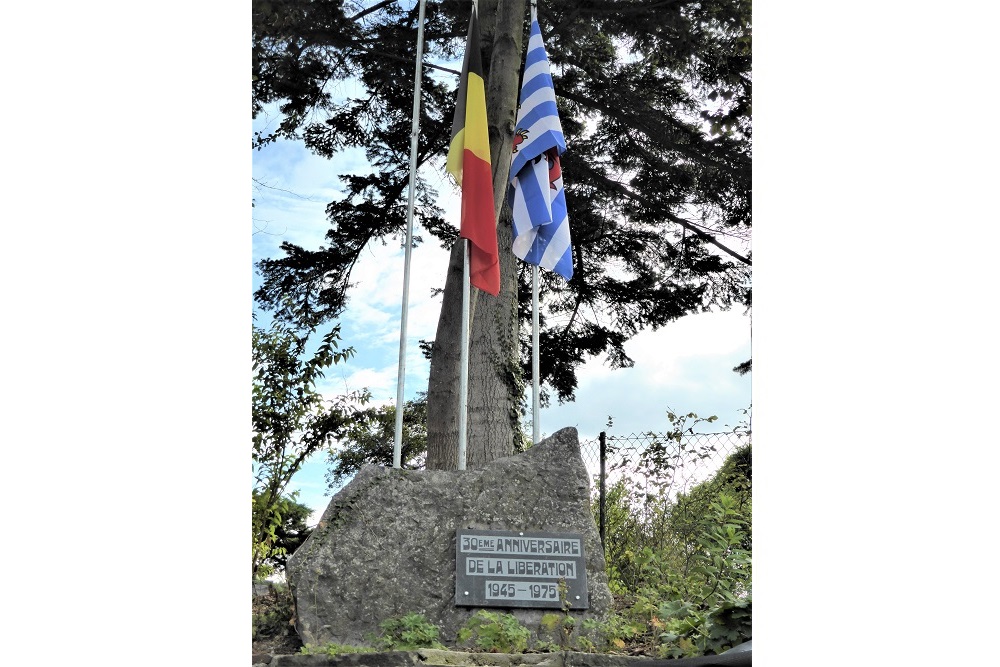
pixel 541 225
pixel 469 163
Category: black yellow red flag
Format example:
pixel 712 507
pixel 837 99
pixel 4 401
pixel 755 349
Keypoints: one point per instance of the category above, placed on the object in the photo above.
pixel 469 163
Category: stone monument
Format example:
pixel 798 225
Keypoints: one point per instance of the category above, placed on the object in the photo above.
pixel 516 535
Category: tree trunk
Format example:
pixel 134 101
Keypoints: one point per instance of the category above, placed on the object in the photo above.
pixel 495 387
pixel 442 384
pixel 495 384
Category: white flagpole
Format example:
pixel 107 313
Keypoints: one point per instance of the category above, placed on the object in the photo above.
pixel 463 364
pixel 397 445
pixel 536 426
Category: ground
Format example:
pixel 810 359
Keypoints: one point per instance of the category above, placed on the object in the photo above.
pixel 272 629
pixel 278 645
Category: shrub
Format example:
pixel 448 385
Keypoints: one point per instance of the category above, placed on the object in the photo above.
pixel 679 565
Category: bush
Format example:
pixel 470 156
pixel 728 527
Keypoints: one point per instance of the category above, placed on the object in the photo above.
pixel 679 567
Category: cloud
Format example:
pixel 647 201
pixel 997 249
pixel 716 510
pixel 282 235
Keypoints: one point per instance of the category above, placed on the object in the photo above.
pixel 372 320
pixel 381 382
pixel 679 353
pixel 686 366
pixel 291 189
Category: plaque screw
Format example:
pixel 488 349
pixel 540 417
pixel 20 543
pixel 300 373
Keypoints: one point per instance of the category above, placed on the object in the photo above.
pixel 521 534
pixel 577 597
pixel 466 592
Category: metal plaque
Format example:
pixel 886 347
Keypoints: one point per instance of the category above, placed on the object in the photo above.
pixel 519 569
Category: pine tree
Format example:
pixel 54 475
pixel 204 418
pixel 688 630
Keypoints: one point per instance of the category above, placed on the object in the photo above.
pixel 654 97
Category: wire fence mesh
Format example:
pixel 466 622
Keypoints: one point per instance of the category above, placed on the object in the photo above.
pixel 688 459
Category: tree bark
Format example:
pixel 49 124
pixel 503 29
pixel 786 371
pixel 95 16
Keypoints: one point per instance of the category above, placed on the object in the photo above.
pixel 495 386
pixel 495 383
pixel 442 384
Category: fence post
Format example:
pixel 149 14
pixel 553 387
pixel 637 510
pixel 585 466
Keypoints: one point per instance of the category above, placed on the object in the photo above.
pixel 603 497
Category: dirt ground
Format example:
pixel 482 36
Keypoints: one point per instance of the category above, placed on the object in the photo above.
pixel 272 616
pixel 278 645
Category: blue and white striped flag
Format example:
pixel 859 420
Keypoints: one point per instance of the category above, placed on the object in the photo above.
pixel 541 226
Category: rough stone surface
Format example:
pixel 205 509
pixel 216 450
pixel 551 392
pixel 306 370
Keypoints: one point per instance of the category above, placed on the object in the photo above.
pixel 432 658
pixel 389 659
pixel 458 658
pixel 385 545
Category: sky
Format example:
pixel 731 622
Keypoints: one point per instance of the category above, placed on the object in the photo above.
pixel 685 366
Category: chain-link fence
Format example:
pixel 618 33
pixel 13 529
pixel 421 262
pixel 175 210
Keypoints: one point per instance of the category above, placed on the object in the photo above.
pixel 689 459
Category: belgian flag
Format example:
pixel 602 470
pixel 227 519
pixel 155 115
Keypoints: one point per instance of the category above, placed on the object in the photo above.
pixel 469 163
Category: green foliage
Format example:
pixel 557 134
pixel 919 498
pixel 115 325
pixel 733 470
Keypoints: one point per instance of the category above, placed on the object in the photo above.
pixel 550 621
pixel 291 421
pixel 545 646
pixel 295 76
pixel 613 634
pixel 655 103
pixel 682 591
pixel 283 527
pixel 265 522
pixel 555 631
pixel 640 506
pixel 272 613
pixel 407 633
pixel 549 633
pixel 729 624
pixel 731 488
pixel 669 452
pixel 334 649
pixel 494 632
pixel 370 437
pixel 679 564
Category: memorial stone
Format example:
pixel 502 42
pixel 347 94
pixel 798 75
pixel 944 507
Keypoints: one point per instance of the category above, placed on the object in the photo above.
pixel 388 545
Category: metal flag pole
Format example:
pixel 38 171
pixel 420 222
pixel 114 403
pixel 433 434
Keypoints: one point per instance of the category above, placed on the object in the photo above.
pixel 397 444
pixel 536 426
pixel 463 364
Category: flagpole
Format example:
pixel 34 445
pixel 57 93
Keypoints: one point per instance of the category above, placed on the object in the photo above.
pixel 397 443
pixel 540 224
pixel 463 364
pixel 536 426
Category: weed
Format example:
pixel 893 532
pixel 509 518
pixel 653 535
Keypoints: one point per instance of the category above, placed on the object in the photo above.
pixel 333 649
pixel 494 632
pixel 407 633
